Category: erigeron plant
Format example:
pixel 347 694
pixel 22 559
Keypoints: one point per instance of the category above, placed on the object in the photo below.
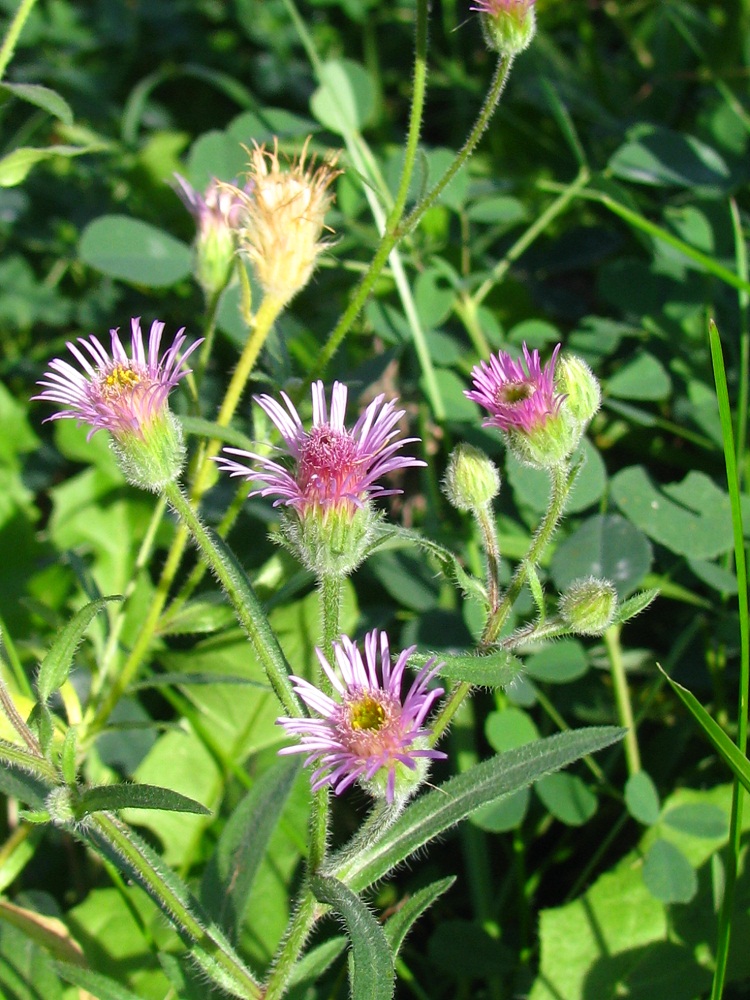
pixel 363 719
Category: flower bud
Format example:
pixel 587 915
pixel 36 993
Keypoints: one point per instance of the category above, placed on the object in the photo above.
pixel 577 382
pixel 471 480
pixel 215 213
pixel 508 26
pixel 588 606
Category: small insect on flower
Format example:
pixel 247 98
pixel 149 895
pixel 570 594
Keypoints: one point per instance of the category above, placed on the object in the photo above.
pixel 127 396
pixel 333 473
pixel 366 731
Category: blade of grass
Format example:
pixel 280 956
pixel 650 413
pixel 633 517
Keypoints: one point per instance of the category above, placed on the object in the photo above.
pixel 735 827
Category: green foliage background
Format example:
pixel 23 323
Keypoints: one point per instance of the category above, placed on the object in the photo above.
pixel 606 208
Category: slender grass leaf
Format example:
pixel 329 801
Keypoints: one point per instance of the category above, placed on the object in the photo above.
pixel 492 671
pixel 434 813
pixel 41 97
pixel 57 663
pixel 398 926
pixel 726 749
pixel 371 974
pixel 110 798
pixel 230 873
pixel 95 984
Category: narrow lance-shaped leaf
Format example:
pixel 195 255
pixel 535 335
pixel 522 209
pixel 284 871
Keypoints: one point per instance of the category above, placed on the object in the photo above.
pixel 231 870
pixel 371 962
pixel 110 798
pixel 95 984
pixel 433 813
pixel 398 926
pixel 57 663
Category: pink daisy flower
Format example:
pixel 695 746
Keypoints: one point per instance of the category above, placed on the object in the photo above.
pixel 332 467
pixel 519 395
pixel 123 394
pixel 366 732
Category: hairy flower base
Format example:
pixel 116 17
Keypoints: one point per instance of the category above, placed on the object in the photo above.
pixel 524 401
pixel 333 475
pixel 127 396
pixel 366 732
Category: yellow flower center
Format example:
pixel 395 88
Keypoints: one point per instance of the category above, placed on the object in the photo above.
pixel 514 392
pixel 119 380
pixel 367 714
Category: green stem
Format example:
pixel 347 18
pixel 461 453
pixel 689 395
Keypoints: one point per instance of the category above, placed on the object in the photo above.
pixel 264 320
pixel 535 230
pixel 500 78
pixel 331 596
pixel 299 930
pixel 392 236
pixel 14 718
pixel 562 481
pixel 12 34
pixel 622 698
pixel 488 530
pixel 115 834
pixel 247 607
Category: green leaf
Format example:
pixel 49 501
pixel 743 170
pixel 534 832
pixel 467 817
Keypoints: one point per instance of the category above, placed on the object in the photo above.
pixel 726 749
pixel 110 798
pixel 605 546
pixel 15 167
pixel 398 926
pixel 99 986
pixel 371 975
pixel 182 679
pixel 635 604
pixel 692 518
pixel 559 663
pixel 231 870
pixel 212 431
pixel 643 377
pixel 134 252
pixel 567 798
pixel 509 729
pixel 346 100
pixel 660 157
pixel 642 798
pixel 668 874
pixel 699 819
pixel 41 97
pixel 56 665
pixel 438 810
